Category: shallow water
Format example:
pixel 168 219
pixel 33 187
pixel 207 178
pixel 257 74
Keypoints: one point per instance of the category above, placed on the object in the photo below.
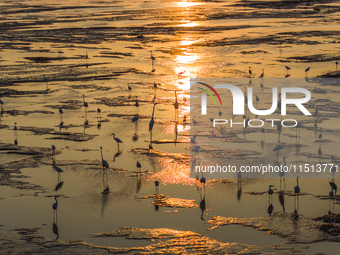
pixel 188 39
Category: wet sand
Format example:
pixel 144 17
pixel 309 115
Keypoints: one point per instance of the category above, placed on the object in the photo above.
pixel 52 54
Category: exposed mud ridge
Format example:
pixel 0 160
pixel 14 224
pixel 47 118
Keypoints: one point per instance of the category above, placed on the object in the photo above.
pixel 315 58
pixel 286 4
pixel 293 226
pixel 335 74
pixel 58 73
pixel 76 137
pixel 12 92
pixel 157 153
pixel 166 201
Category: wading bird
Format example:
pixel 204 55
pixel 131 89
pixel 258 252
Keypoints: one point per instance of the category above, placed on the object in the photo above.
pixel 152 122
pixel 270 191
pixel 306 70
pixel 333 186
pixel 105 179
pixel 104 162
pixel 282 173
pixel 85 105
pixel 86 56
pixel 262 74
pixel 1 106
pixel 156 187
pixel 176 107
pixel 117 140
pixel 55 205
pixel 138 165
pixel 336 65
pixel 137 106
pixel 53 150
pixel 61 116
pixel 152 60
pixel 99 117
pixel 297 188
pixel 287 71
pixel 250 72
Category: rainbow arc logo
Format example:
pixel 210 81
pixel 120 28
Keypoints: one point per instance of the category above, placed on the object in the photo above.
pixel 209 93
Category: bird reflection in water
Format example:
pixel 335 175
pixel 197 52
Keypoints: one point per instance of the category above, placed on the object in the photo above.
pixel 60 183
pixel 55 217
pixel 176 134
pixel 156 201
pixel 282 199
pixel 139 176
pixel 15 134
pixel 331 201
pixel 202 203
pixel 135 120
pixel 296 192
pixel 105 165
pixel 239 185
pixel 270 207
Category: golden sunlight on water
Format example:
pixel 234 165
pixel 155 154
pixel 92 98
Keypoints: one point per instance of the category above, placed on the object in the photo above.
pixel 186 4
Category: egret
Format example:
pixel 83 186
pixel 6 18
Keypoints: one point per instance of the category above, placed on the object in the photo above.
pixel 137 106
pixel 1 105
pixel 306 70
pixel 104 162
pixel 333 186
pixel 85 105
pixel 129 87
pixel 316 112
pixel 156 193
pixel 86 56
pixel 194 122
pixel 282 172
pixel 55 205
pixel 262 74
pixel 239 175
pixel 336 65
pixel 58 169
pixel 202 180
pixel 152 122
pixel 99 117
pixel 61 116
pixel 117 140
pixel 220 113
pixel 277 148
pixel 331 193
pixel 270 191
pixel 138 165
pixel 53 150
pixel 176 107
pixel 15 126
pixel 155 85
pixel 45 78
pixel 250 72
pixel 287 68
pixel 135 119
pixel 297 188
pixel 152 60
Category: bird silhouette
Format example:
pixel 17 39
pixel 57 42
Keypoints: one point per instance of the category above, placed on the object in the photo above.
pixel 86 105
pixel 117 140
pixel 152 122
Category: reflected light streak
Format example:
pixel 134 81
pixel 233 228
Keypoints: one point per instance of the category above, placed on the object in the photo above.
pixel 186 4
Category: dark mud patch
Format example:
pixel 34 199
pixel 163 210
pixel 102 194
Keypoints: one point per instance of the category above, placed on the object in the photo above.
pixel 253 52
pixel 46 59
pixel 12 92
pixel 314 58
pixel 22 112
pixel 330 224
pixel 335 74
